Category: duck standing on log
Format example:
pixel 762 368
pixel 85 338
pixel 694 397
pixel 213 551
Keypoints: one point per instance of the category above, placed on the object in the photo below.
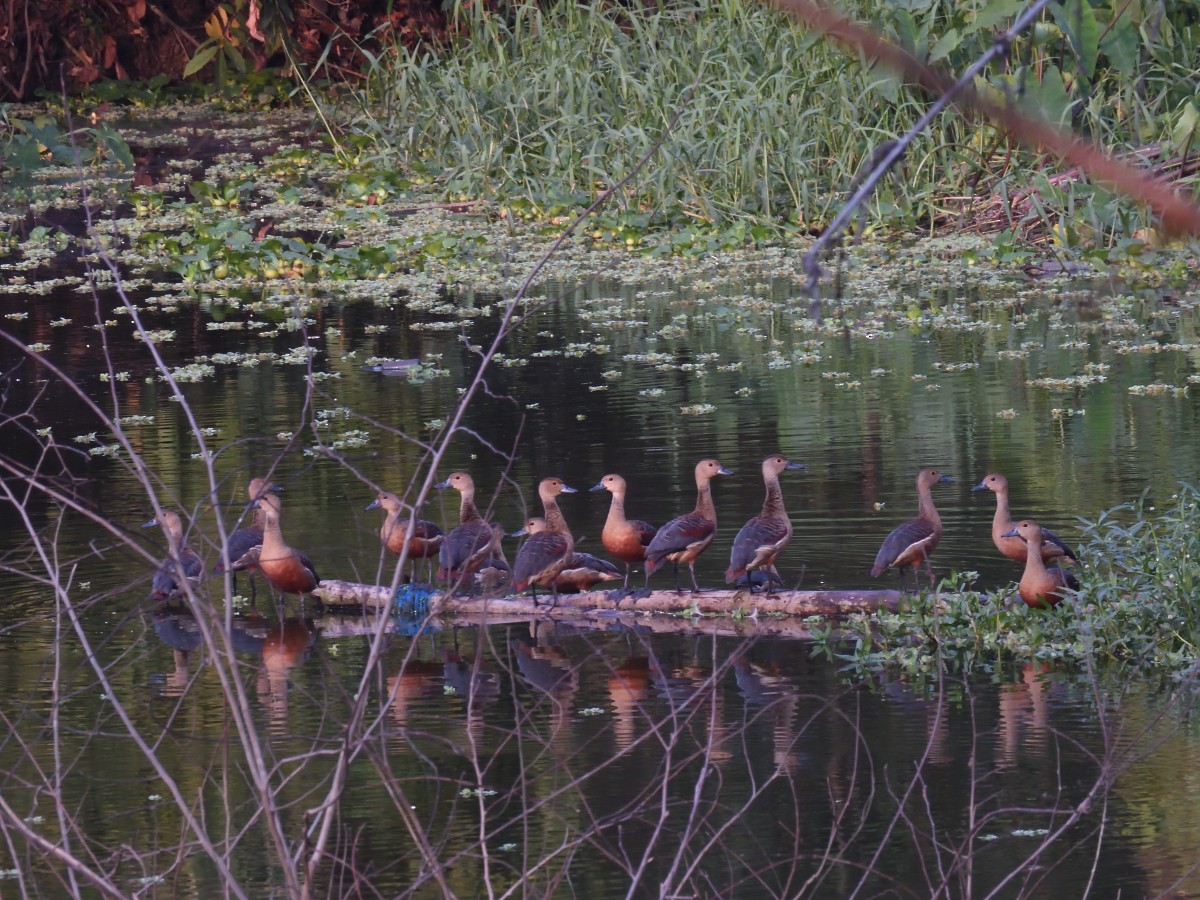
pixel 582 571
pixel 544 555
pixel 423 538
pixel 286 569
pixel 1053 548
pixel 467 545
pixel 684 538
pixel 763 538
pixel 245 544
pixel 626 539
pixel 180 558
pixel 1040 587
pixel 914 541
pixel 494 572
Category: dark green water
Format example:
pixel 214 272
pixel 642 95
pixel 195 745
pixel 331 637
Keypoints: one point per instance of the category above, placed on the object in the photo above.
pixel 771 770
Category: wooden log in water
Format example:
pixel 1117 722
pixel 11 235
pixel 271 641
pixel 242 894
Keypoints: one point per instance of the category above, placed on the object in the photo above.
pixel 715 602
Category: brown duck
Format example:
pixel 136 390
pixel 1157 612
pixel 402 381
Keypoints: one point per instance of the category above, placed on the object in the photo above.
pixel 421 537
pixel 914 541
pixel 685 537
pixel 582 571
pixel 465 548
pixel 763 538
pixel 626 539
pixel 166 585
pixel 245 544
pixel 1040 587
pixel 544 555
pixel 286 569
pixel 1014 547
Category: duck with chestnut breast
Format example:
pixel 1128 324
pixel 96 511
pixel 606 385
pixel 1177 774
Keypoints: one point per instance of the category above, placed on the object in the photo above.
pixel 1040 587
pixel 245 544
pixel 286 569
pixel 685 537
pixel 914 541
pixel 626 539
pixel 166 584
pixel 763 538
pixel 422 538
pixel 465 548
pixel 582 571
pixel 543 556
pixel 1053 547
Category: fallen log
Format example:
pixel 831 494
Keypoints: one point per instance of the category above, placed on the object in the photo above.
pixel 740 603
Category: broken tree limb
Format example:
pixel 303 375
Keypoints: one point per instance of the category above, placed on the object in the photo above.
pixel 715 602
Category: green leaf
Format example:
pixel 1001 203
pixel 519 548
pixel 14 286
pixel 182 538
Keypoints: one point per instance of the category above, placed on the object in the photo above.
pixel 1076 19
pixel 1049 97
pixel 202 58
pixel 1122 46
pixel 1187 129
pixel 995 13
pixel 946 45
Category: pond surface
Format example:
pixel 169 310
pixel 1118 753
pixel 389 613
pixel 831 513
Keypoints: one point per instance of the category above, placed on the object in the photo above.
pixel 709 764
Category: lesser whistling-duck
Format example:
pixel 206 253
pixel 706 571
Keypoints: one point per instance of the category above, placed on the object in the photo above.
pixel 422 538
pixel 912 542
pixel 763 538
pixel 1040 587
pixel 286 569
pixel 166 584
pixel 626 539
pixel 684 538
pixel 544 554
pixel 465 548
pixel 582 571
pixel 245 544
pixel 1014 547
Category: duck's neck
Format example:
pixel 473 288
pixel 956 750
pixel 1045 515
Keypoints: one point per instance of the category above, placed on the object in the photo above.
pixel 260 518
pixel 1002 521
pixel 272 537
pixel 925 508
pixel 773 504
pixel 1035 566
pixel 466 509
pixel 704 501
pixel 616 510
pixel 554 517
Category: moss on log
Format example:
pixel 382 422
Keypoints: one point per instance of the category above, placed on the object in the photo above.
pixel 715 602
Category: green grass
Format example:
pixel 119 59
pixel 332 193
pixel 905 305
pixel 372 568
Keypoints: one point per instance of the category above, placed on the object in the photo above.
pixel 549 106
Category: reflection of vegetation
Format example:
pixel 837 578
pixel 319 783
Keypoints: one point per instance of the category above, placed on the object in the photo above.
pixel 1139 602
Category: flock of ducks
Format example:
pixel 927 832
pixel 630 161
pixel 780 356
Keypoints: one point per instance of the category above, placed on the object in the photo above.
pixel 471 555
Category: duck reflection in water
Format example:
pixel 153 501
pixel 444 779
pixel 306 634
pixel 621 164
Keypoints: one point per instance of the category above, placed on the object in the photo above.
pixel 769 692
pixel 628 690
pixel 286 644
pixel 547 669
pixel 696 689
pixel 1025 716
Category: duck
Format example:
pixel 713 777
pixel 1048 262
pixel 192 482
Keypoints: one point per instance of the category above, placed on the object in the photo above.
pixel 582 571
pixel 685 537
pixel 1040 587
pixel 913 542
pixel 626 539
pixel 465 548
pixel 763 537
pixel 544 555
pixel 1053 547
pixel 180 558
pixel 286 569
pixel 245 544
pixel 421 537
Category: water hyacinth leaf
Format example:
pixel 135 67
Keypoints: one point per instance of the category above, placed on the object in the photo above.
pixel 996 13
pixel 945 45
pixel 1121 43
pixel 1076 19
